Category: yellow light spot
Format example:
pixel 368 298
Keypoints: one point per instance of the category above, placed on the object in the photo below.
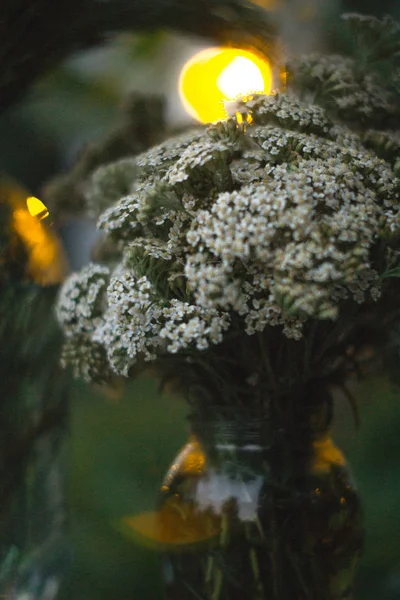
pixel 269 4
pixel 326 456
pixel 37 208
pixel 218 75
pixel 241 71
pixel 46 262
pixel 190 461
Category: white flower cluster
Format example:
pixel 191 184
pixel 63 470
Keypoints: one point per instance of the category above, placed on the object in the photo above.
pixel 79 310
pixel 130 321
pixel 289 113
pixel 188 325
pixel 161 157
pixel 246 226
pixel 81 304
pixel 87 359
pixel 134 325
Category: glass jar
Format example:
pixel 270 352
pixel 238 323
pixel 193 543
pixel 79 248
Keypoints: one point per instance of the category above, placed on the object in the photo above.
pixel 259 513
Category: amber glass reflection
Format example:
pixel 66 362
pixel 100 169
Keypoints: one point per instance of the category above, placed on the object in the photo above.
pixel 248 515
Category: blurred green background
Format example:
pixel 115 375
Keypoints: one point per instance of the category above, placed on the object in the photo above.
pixel 120 448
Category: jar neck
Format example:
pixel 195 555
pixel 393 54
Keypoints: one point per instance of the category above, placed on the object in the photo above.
pixel 298 416
pixel 246 434
pixel 286 432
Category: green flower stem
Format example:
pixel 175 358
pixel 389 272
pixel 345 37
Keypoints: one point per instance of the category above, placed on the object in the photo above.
pixel 274 555
pixel 224 541
pixel 255 566
pixel 217 584
pixel 266 360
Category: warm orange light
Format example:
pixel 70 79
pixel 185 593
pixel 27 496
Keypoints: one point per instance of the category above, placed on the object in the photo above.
pixel 176 524
pixel 46 262
pixel 37 208
pixel 326 456
pixel 217 75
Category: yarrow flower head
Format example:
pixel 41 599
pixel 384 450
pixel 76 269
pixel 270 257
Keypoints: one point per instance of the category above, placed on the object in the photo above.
pixel 282 223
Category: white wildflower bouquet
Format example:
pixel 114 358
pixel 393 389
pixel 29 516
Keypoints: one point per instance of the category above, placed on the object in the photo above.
pixel 256 255
pixel 251 262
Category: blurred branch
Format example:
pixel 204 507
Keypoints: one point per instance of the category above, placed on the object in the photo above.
pixel 142 125
pixel 37 34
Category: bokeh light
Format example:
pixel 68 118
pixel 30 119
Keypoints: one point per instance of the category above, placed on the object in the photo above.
pixel 216 75
pixel 36 208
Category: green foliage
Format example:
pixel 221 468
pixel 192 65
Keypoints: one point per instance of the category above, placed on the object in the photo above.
pixel 386 144
pixel 361 88
pixel 109 185
pixel 376 42
pixel 13 255
pixel 32 418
